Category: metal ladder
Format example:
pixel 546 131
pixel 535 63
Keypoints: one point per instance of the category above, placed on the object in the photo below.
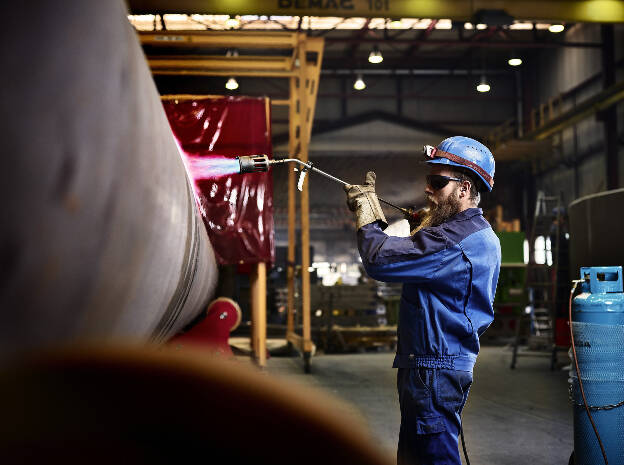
pixel 535 326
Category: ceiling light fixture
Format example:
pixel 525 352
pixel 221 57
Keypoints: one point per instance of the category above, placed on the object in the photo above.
pixel 359 83
pixel 231 84
pixel 483 86
pixel 556 28
pixel 396 23
pixel 375 55
pixel 514 59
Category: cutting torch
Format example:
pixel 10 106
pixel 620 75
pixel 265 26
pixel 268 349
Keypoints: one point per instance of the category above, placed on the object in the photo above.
pixel 261 163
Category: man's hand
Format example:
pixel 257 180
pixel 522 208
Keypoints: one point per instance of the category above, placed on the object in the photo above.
pixel 362 200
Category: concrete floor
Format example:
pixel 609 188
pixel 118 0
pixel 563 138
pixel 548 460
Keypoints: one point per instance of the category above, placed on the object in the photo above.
pixel 512 417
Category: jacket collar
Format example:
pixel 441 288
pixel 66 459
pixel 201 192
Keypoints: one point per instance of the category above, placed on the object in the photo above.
pixel 466 214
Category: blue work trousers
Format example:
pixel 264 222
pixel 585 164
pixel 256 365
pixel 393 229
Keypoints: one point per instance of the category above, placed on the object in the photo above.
pixel 431 401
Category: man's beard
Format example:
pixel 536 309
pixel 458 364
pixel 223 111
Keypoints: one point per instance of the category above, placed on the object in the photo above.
pixel 442 211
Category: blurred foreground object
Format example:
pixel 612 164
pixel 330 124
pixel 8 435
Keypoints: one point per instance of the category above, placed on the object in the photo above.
pixel 141 405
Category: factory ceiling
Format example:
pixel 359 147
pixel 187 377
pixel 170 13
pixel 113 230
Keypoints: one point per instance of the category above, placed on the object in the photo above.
pixel 406 45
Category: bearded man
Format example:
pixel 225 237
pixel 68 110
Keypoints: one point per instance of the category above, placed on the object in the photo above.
pixel 449 269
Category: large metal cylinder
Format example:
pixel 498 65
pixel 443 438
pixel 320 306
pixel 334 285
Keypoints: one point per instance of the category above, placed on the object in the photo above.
pixel 595 226
pixel 100 236
pixel 598 326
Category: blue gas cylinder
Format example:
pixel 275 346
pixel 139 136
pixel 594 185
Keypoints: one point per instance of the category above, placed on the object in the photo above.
pixel 598 326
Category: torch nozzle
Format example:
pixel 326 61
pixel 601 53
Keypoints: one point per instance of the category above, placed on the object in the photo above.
pixel 253 163
pixel 261 163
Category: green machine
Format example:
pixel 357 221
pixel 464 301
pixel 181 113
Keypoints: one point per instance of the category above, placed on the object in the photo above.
pixel 510 298
pixel 510 289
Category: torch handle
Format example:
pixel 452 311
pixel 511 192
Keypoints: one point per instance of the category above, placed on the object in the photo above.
pixel 308 167
pixel 408 212
pixel 328 176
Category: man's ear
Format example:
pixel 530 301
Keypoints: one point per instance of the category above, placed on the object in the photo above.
pixel 465 186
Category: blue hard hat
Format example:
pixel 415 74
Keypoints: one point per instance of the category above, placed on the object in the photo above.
pixel 467 153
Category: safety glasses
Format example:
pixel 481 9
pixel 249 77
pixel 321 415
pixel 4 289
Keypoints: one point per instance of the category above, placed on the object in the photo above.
pixel 437 181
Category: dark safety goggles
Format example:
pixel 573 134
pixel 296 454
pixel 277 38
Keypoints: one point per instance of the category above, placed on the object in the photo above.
pixel 437 181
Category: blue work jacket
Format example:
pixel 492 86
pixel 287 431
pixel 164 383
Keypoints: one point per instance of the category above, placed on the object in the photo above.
pixel 449 275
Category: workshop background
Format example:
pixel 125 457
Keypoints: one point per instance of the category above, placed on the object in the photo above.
pixel 149 280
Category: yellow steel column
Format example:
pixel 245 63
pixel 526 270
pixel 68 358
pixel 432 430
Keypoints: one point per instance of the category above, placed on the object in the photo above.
pixel 293 122
pixel 304 138
pixel 258 313
pixel 313 72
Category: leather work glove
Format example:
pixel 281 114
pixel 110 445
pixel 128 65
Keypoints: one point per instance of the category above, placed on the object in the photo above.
pixel 362 200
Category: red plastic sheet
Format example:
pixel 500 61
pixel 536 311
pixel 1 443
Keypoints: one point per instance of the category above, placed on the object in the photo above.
pixel 237 209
